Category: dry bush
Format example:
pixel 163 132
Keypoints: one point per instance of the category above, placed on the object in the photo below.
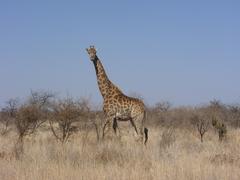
pixel 27 120
pixel 162 114
pixel 66 113
pixel 33 113
pixel 201 121
pixel 8 114
pixel 4 123
pixel 29 116
pixel 159 113
pixel 234 115
pixel 162 106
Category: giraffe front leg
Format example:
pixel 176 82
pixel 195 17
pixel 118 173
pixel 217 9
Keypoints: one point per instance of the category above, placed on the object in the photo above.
pixel 116 128
pixel 105 129
pixel 110 127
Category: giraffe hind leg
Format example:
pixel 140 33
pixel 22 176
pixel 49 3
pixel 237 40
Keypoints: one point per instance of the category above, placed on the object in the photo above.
pixel 115 125
pixel 138 126
pixel 133 124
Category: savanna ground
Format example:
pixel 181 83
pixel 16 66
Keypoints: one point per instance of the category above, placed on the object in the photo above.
pixel 174 150
pixel 170 154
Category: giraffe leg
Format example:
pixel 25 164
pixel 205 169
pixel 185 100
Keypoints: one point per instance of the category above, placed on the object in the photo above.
pixel 137 123
pixel 105 129
pixel 110 127
pixel 117 128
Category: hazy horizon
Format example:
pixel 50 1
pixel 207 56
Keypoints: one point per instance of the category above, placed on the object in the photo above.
pixel 184 52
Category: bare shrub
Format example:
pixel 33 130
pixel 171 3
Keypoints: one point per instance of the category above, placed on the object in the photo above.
pixel 41 98
pixel 162 106
pixel 27 120
pixel 8 114
pixel 202 124
pixel 32 114
pixel 4 124
pixel 234 113
pixel 29 116
pixel 65 114
pixel 159 114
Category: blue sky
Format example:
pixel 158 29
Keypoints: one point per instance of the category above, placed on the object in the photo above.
pixel 185 52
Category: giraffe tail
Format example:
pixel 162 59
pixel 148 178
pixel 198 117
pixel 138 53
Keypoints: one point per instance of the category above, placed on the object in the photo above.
pixel 146 135
pixel 145 130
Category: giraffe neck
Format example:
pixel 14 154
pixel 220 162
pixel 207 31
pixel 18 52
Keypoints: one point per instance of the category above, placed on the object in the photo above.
pixel 104 83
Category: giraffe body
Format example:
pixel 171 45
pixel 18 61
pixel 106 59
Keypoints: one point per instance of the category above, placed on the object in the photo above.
pixel 123 107
pixel 116 105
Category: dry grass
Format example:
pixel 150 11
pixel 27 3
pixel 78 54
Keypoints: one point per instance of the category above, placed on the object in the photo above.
pixel 170 154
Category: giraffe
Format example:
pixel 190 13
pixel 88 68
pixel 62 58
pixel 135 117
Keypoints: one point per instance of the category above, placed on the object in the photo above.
pixel 116 105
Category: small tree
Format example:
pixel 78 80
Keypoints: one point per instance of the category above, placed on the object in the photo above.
pixel 162 106
pixel 201 123
pixel 65 114
pixel 27 120
pixel 41 98
pixel 33 113
pixel 159 113
pixel 8 114
pixel 29 116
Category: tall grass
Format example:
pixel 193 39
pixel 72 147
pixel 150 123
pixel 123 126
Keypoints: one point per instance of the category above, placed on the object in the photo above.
pixel 170 154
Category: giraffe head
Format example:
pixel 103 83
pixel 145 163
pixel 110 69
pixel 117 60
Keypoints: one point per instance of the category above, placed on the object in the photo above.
pixel 92 52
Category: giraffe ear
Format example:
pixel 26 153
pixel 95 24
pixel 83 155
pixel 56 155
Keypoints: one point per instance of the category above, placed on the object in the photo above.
pixel 87 49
